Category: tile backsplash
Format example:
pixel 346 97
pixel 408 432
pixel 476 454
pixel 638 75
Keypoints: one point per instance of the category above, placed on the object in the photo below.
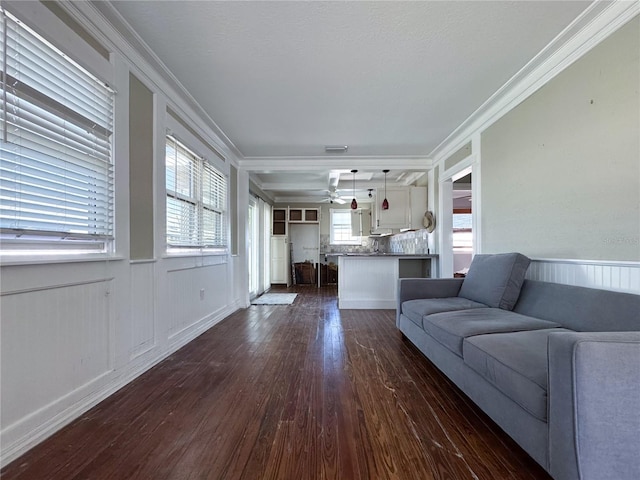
pixel 415 242
pixel 367 245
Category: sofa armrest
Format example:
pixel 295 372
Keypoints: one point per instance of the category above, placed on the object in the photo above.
pixel 594 394
pixel 413 288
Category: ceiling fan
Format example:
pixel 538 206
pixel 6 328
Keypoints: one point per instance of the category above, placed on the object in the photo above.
pixel 333 197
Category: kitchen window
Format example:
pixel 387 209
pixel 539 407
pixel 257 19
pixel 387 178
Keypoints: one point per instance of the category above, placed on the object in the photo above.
pixel 196 201
pixel 56 170
pixel 341 230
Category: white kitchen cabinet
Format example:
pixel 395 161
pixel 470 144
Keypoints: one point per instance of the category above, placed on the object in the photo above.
pixel 280 262
pixel 397 216
pixel 418 199
pixel 304 215
pixel 361 222
pixel 279 221
pixel 406 208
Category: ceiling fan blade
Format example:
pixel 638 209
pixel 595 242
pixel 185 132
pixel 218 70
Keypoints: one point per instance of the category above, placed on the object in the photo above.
pixel 339 200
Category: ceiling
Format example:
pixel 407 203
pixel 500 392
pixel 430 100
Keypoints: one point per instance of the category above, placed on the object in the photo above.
pixel 281 80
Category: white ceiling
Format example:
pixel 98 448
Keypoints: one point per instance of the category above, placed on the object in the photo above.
pixel 389 79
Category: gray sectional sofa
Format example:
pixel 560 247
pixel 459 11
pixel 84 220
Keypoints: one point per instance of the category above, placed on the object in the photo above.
pixel 557 367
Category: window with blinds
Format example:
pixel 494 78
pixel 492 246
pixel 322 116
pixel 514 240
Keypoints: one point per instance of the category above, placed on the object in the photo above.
pixel 341 231
pixel 56 170
pixel 196 200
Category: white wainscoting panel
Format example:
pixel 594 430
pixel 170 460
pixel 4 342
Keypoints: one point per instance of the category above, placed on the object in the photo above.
pixel 608 275
pixel 367 282
pixel 143 334
pixel 55 350
pixel 195 295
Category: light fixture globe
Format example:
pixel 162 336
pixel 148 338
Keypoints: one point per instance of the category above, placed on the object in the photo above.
pixel 385 202
pixel 354 203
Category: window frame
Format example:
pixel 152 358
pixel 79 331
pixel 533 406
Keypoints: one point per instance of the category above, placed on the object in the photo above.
pixel 215 204
pixel 462 239
pixel 353 240
pixel 36 104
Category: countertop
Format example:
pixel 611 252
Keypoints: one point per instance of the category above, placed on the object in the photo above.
pixel 379 254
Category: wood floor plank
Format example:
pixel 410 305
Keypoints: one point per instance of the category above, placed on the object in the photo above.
pixel 302 391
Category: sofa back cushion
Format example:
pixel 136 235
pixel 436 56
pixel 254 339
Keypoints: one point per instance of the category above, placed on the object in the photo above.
pixel 495 280
pixel 580 308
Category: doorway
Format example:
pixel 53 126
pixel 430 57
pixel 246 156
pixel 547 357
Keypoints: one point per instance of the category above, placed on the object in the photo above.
pixel 258 245
pixel 253 248
pixel 459 214
pixel 462 225
pixel 305 252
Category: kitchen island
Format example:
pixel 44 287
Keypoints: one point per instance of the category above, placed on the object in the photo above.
pixel 370 280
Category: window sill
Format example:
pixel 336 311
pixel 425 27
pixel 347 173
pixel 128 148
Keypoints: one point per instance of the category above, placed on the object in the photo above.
pixel 13 261
pixel 195 254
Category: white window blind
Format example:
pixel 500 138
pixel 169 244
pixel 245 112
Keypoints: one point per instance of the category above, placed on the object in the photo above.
pixel 341 232
pixel 214 197
pixel 56 171
pixel 196 200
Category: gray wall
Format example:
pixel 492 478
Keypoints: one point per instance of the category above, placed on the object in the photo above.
pixel 561 172
pixel 140 170
pixel 462 153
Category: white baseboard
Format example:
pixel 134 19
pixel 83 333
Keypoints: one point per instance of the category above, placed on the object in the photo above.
pixel 367 304
pixel 88 398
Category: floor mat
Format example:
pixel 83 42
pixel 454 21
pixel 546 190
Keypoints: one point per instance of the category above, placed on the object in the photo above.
pixel 275 299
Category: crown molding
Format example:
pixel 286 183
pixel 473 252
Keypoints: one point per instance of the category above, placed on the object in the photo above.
pixel 596 23
pixel 295 187
pixel 107 25
pixel 361 198
pixel 341 162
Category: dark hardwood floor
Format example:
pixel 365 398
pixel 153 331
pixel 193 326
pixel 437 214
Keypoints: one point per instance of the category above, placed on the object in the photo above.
pixel 298 392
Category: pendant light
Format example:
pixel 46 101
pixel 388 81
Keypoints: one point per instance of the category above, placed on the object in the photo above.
pixel 354 203
pixel 385 202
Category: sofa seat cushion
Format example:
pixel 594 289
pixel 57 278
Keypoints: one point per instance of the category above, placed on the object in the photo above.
pixel 495 280
pixel 515 363
pixel 451 328
pixel 414 310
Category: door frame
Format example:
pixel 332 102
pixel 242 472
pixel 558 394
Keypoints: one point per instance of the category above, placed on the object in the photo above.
pixel 469 164
pixel 253 247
